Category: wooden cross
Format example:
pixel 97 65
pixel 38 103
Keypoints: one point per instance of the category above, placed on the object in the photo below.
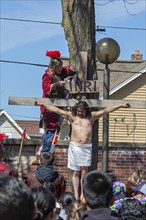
pixel 93 103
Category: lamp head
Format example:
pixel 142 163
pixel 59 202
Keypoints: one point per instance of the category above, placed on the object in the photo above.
pixel 107 50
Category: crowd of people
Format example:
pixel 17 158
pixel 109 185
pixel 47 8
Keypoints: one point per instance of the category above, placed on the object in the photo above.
pixel 103 198
pixel 41 193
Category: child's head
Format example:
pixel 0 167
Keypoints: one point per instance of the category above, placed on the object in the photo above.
pixel 137 176
pixel 47 158
pixel 66 199
pixel 97 189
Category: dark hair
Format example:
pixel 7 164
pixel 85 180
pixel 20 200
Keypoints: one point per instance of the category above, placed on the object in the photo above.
pixel 112 175
pixel 47 158
pixel 97 189
pixel 16 201
pixel 45 201
pixel 84 105
pixel 132 209
pixel 66 199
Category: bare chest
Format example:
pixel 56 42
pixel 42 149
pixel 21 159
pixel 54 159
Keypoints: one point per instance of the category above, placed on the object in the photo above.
pixel 79 122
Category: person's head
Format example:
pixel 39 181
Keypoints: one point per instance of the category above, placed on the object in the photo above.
pixel 47 158
pixel 81 109
pixel 55 61
pixel 136 177
pixel 97 189
pixel 112 175
pixel 44 201
pixel 56 65
pixel 132 209
pixel 139 190
pixel 16 201
pixel 66 199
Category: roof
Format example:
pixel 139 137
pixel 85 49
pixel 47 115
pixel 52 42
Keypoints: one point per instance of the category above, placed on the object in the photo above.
pixel 121 73
pixel 32 126
pixel 13 122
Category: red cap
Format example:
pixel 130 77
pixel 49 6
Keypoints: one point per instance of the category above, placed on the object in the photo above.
pixel 53 54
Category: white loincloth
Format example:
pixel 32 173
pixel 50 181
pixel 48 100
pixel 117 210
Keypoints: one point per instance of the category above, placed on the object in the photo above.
pixel 79 155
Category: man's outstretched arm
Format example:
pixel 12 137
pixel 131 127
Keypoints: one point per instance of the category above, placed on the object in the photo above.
pixel 50 108
pixel 101 113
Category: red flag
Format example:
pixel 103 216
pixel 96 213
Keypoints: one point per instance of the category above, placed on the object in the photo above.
pixel 24 135
pixel 3 136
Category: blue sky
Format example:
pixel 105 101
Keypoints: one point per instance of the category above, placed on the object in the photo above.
pixel 28 42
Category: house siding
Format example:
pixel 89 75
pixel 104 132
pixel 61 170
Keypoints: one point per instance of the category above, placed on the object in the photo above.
pixel 128 125
pixel 7 128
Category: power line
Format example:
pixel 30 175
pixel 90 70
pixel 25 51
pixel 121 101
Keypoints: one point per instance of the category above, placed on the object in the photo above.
pixel 25 20
pixel 49 22
pixel 24 63
pixel 42 65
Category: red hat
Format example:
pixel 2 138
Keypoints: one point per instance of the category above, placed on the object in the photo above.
pixel 54 58
pixel 53 54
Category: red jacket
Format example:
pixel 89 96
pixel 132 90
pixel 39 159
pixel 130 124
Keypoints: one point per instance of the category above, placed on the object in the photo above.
pixel 6 169
pixel 47 81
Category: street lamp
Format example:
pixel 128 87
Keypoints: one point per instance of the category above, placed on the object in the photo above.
pixel 107 52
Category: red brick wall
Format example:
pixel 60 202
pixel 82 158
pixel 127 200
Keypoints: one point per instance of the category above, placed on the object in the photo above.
pixel 122 160
pixel 60 163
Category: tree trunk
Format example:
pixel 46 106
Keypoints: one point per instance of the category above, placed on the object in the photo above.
pixel 79 27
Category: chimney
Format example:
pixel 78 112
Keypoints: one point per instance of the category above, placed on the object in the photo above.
pixel 136 55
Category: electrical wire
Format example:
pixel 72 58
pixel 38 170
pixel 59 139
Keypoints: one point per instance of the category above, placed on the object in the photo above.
pixel 48 22
pixel 42 65
pixel 25 20
pixel 24 63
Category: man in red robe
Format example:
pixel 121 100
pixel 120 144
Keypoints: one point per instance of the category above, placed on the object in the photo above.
pixel 53 86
